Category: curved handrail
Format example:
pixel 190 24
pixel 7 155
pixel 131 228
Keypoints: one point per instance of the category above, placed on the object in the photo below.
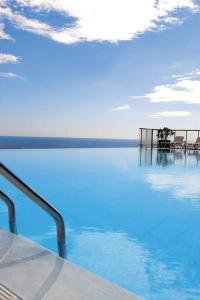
pixel 31 194
pixel 11 211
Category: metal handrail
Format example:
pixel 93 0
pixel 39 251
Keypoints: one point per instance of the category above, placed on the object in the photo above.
pixel 31 194
pixel 11 211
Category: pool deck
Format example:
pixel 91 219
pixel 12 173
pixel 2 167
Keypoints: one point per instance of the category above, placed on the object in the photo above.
pixel 29 271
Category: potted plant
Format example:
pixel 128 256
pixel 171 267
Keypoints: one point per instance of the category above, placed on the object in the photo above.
pixel 163 135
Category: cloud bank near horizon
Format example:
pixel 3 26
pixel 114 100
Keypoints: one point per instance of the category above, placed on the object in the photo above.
pixel 171 114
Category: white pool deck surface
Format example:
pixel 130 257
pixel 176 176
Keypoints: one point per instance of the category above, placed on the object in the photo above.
pixel 29 271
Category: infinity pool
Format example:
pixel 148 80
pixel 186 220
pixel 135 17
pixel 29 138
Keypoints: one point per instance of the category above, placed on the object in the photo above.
pixel 131 217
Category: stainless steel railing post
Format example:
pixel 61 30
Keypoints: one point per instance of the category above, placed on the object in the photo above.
pixel 31 194
pixel 11 211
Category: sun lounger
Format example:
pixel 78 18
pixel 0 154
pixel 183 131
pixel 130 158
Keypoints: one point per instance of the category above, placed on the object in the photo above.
pixel 194 146
pixel 178 142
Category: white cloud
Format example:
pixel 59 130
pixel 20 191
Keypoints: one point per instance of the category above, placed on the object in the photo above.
pixel 66 36
pixel 10 75
pixel 123 107
pixel 99 20
pixel 3 34
pixel 184 88
pixel 8 58
pixel 170 114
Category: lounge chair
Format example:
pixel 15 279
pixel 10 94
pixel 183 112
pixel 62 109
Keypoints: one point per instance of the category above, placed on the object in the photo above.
pixel 194 146
pixel 197 143
pixel 178 142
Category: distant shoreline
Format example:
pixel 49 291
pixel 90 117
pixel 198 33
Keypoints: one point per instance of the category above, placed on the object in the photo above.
pixel 12 142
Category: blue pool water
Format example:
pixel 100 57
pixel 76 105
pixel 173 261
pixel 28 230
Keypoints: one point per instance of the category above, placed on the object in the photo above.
pixel 131 217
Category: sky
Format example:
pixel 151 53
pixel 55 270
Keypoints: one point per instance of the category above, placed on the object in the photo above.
pixel 98 68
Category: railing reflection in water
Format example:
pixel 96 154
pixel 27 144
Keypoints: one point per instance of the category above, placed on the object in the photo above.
pixel 168 157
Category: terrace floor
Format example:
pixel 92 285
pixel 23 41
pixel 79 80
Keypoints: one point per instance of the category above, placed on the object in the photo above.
pixel 29 271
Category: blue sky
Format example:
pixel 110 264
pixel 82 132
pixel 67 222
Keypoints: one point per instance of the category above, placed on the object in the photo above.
pixel 98 68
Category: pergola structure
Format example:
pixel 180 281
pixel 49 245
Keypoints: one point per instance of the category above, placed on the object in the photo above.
pixel 148 136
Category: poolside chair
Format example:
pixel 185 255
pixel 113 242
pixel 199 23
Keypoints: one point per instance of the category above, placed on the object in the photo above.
pixel 194 146
pixel 178 142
